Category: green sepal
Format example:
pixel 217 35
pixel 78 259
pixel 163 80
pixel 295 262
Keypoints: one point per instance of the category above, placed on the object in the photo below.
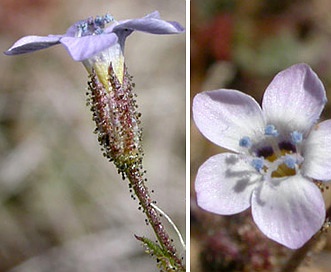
pixel 164 260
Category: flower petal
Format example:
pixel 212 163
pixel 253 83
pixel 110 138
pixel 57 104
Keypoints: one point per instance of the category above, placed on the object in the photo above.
pixel 288 211
pixel 72 30
pixel 226 116
pixel 224 184
pixel 295 97
pixel 155 14
pixel 317 152
pixel 30 44
pixel 151 23
pixel 81 48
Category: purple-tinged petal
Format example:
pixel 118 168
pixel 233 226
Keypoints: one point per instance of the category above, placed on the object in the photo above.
pixel 289 211
pixel 30 44
pixel 224 184
pixel 317 152
pixel 155 14
pixel 85 47
pixel 72 30
pixel 295 97
pixel 151 23
pixel 226 116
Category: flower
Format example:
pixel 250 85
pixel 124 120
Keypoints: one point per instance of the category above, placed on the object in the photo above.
pixel 280 153
pixel 96 46
pixel 110 90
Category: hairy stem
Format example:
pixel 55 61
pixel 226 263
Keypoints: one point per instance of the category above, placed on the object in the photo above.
pixel 137 182
pixel 117 121
pixel 180 237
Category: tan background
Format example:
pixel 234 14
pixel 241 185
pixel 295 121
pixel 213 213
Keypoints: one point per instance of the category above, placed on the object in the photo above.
pixel 62 205
pixel 242 45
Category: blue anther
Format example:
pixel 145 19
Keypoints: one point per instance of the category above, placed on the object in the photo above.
pixel 98 31
pixel 258 163
pixel 84 26
pixel 271 130
pixel 90 21
pixel 98 20
pixel 245 142
pixel 296 137
pixel 290 161
pixel 82 29
pixel 108 18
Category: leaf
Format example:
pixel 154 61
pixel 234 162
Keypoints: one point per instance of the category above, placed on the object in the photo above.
pixel 164 260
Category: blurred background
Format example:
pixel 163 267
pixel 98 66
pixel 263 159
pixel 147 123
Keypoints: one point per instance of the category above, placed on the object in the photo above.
pixel 63 207
pixel 242 45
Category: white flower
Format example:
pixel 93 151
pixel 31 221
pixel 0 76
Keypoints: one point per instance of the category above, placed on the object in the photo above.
pixel 280 153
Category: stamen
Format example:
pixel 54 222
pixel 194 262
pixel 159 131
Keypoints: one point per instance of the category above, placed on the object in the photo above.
pixel 98 31
pixel 90 21
pixel 258 163
pixel 290 161
pixel 82 29
pixel 93 26
pixel 271 130
pixel 108 18
pixel 98 21
pixel 83 26
pixel 245 142
pixel 296 137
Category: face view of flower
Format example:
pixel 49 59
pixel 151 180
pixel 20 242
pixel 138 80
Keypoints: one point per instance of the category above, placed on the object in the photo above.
pixel 280 152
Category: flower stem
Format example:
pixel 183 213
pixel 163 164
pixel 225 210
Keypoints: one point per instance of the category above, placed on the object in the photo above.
pixel 172 224
pixel 137 182
pixel 118 128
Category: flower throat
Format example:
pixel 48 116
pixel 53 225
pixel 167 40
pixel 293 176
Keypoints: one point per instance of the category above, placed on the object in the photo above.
pixel 275 157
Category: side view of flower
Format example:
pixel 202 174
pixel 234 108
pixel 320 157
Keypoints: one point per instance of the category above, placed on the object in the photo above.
pixel 280 154
pixel 96 45
pixel 114 108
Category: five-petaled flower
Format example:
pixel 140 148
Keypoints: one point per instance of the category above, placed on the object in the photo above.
pixel 90 42
pixel 280 153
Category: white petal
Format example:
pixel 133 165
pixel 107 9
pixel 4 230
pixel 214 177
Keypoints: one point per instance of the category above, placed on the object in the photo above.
pixel 224 184
pixel 317 152
pixel 226 116
pixel 82 48
pixel 288 211
pixel 295 98
pixel 30 44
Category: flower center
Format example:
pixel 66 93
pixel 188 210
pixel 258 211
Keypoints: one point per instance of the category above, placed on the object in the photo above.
pixel 278 155
pixel 112 55
pixel 93 26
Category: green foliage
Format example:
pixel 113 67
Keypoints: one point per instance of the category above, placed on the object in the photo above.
pixel 165 261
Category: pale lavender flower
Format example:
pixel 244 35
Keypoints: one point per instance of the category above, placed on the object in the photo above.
pixel 281 152
pixel 90 42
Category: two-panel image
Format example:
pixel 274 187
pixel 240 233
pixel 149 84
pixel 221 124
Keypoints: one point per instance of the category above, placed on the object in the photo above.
pixel 165 136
